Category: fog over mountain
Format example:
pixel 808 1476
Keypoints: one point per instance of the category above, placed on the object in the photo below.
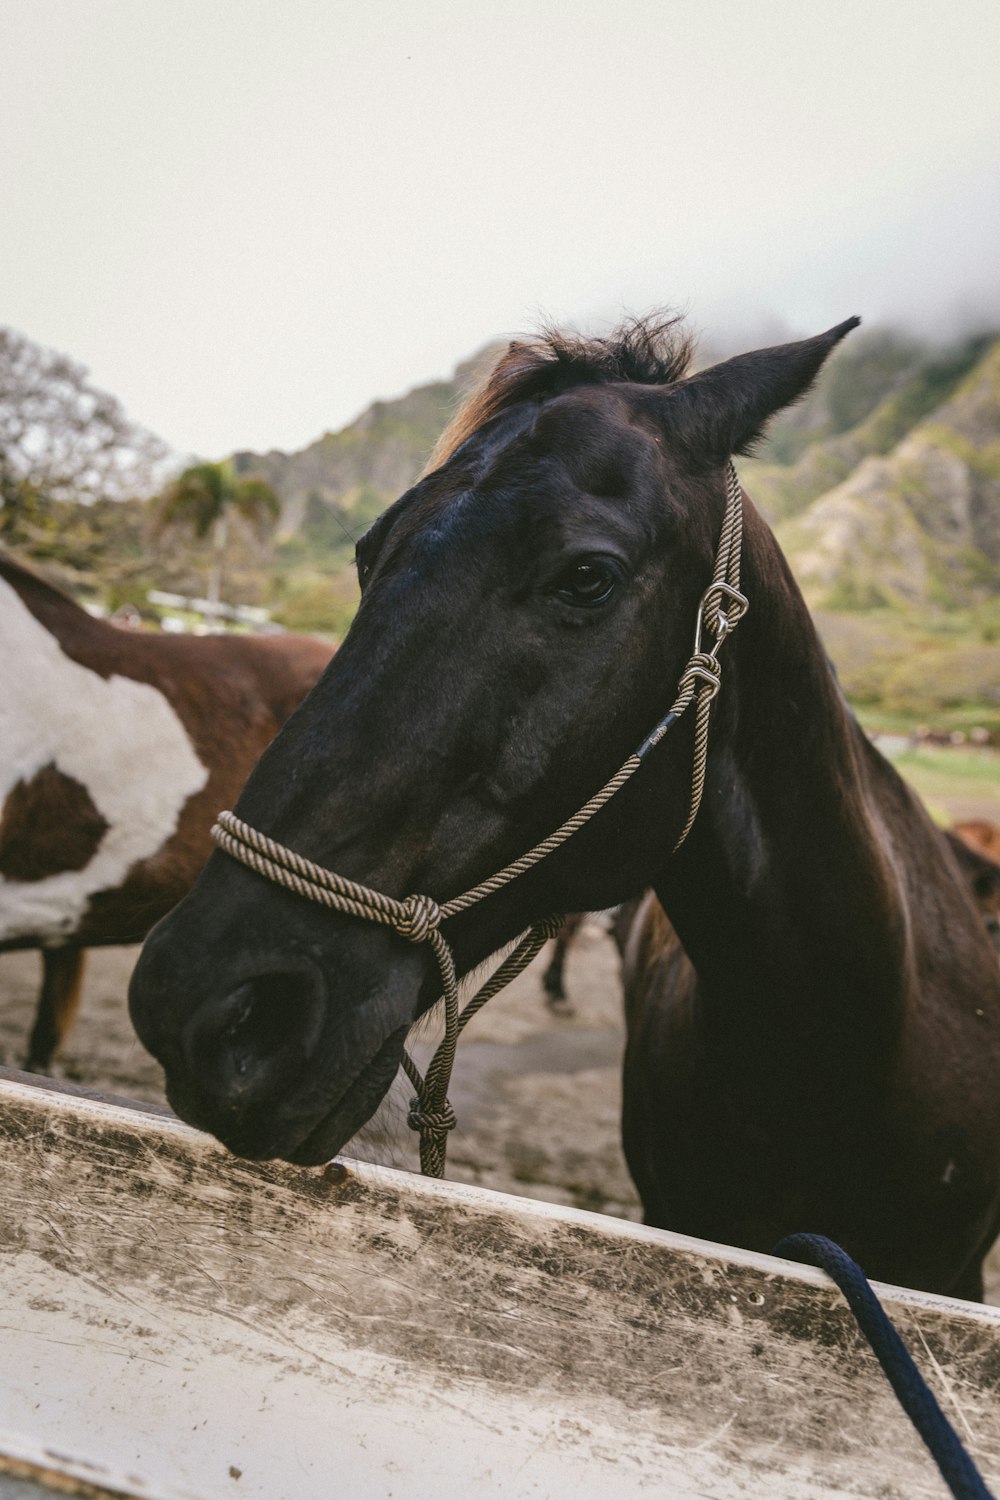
pixel 249 220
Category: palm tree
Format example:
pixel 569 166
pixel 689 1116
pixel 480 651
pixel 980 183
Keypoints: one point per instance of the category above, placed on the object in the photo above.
pixel 203 498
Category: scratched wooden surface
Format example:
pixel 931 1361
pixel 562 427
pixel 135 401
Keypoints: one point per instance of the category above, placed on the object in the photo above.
pixel 178 1323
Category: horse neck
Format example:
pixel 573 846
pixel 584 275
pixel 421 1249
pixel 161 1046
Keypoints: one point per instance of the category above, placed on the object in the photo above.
pixel 60 615
pixel 787 896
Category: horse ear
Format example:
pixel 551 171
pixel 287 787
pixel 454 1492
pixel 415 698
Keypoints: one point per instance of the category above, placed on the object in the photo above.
pixel 723 410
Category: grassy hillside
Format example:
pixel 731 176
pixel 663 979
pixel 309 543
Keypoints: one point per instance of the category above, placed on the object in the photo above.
pixel 902 669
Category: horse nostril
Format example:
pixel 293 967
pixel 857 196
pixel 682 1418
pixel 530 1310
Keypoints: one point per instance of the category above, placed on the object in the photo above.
pixel 271 1010
pixel 257 1037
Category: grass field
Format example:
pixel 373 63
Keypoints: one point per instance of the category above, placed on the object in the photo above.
pixel 901 671
pixel 945 777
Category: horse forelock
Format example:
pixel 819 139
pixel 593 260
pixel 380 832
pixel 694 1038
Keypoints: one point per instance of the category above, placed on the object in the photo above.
pixel 654 350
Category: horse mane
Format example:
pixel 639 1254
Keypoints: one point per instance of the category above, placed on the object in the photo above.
pixel 653 350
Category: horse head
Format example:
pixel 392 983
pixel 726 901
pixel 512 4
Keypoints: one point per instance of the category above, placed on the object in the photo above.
pixel 527 609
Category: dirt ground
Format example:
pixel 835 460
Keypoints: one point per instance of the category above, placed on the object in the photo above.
pixel 537 1094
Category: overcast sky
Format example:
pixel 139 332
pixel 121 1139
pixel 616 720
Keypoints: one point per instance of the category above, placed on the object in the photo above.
pixel 249 218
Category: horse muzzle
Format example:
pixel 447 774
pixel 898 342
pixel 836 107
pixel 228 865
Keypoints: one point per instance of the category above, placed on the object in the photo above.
pixel 268 1060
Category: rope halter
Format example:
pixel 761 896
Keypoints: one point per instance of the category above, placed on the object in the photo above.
pixel 418 918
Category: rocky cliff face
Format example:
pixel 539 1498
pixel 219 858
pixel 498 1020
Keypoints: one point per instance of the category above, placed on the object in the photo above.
pixel 862 406
pixel 920 525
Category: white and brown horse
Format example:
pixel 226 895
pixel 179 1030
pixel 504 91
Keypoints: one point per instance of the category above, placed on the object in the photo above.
pixel 116 750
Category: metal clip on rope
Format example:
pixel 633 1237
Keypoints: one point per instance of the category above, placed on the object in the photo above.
pixel 418 918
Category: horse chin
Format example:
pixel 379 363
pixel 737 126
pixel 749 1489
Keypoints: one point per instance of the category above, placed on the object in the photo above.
pixel 293 1134
pixel 354 1108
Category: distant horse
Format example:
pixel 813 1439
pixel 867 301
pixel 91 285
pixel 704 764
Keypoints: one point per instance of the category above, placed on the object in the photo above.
pixel 824 1051
pixel 116 748
pixel 619 922
pixel 554 974
pixel 976 846
pixel 981 834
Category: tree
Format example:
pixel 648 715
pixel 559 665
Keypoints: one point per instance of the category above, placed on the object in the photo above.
pixel 203 497
pixel 60 437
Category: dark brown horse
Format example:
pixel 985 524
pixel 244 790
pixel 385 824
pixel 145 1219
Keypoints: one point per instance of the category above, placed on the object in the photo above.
pixel 824 1051
pixel 116 748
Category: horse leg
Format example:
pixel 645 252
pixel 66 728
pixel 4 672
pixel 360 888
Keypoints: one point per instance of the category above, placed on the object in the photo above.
pixel 57 1006
pixel 552 979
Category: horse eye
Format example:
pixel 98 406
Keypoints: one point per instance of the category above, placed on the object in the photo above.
pixel 587 583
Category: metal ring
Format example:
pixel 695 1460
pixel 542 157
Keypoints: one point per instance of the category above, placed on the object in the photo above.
pixel 711 679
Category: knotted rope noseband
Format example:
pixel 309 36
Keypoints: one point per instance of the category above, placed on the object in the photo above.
pixel 418 918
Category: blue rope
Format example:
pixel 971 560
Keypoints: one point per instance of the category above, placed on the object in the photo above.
pixel 958 1471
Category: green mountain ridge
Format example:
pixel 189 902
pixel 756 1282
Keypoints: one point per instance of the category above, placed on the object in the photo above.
pixel 361 469
pixel 883 486
pixel 882 483
pixel 916 524
pixel 796 472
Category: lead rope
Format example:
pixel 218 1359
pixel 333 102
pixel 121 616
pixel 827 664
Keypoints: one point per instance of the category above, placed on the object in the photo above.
pixel 418 918
pixel 911 1389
